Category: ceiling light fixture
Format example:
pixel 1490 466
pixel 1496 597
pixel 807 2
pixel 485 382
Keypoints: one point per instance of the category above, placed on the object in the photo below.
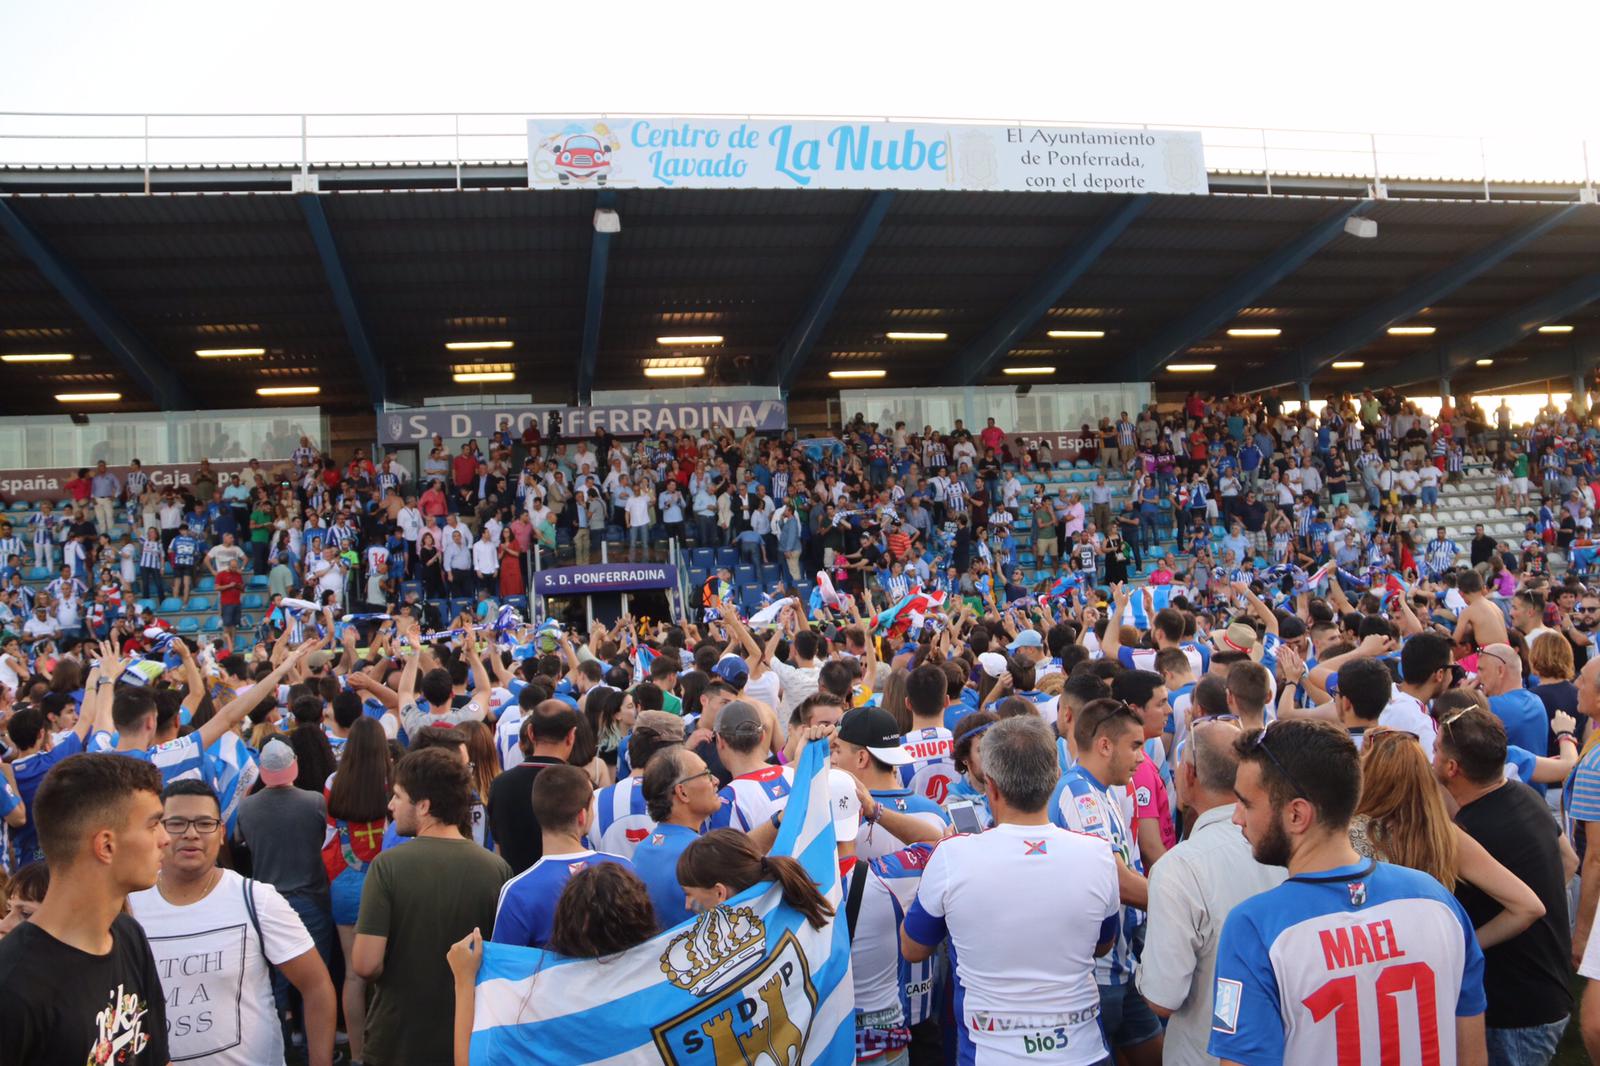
pixel 1254 331
pixel 903 335
pixel 472 376
pixel 674 371
pixel 476 346
pixel 288 390
pixel 227 353
pixel 709 338
pixel 1483 362
pixel 1349 364
pixel 88 397
pixel 1191 368
pixel 43 357
pixel 1030 370
pixel 857 373
pixel 1076 334
pixel 1555 329
pixel 1411 331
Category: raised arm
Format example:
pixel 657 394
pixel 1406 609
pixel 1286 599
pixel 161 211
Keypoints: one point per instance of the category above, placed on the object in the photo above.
pixel 235 710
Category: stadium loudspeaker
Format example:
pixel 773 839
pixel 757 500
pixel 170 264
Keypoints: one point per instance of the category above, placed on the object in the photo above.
pixel 1364 228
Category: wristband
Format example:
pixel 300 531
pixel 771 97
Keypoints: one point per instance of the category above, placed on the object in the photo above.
pixel 1566 736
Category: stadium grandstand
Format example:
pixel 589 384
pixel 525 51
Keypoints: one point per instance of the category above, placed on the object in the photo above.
pixel 879 432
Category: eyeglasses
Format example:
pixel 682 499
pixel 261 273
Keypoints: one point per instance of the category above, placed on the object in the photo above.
pixel 692 777
pixel 179 826
pixel 1260 744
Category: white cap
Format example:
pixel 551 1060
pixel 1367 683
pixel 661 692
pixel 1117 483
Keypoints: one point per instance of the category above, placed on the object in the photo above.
pixel 993 663
pixel 845 805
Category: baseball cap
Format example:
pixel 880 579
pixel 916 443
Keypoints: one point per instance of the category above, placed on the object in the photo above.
pixel 733 671
pixel 668 727
pixel 739 718
pixel 318 660
pixel 993 663
pixel 1028 638
pixel 278 764
pixel 845 805
pixel 875 729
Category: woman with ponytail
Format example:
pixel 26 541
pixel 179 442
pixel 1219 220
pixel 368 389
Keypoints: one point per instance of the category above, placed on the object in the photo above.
pixel 724 862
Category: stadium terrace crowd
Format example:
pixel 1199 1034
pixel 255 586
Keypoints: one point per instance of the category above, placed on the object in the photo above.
pixel 1204 743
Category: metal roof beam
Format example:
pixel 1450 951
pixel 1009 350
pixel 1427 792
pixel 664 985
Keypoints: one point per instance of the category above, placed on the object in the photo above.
pixel 1314 357
pixel 1023 313
pixel 595 301
pixel 148 370
pixel 1240 293
pixel 795 350
pixel 344 297
pixel 1495 335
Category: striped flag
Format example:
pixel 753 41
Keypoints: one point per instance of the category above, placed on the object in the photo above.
pixel 749 982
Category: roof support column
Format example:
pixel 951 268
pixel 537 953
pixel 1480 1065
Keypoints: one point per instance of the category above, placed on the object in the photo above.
pixel 147 370
pixel 344 297
pixel 807 330
pixel 1305 393
pixel 594 302
pixel 977 361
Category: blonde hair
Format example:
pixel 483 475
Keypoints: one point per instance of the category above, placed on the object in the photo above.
pixel 1550 657
pixel 1407 821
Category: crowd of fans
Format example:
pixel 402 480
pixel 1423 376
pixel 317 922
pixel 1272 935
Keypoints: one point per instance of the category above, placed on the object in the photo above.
pixel 1229 756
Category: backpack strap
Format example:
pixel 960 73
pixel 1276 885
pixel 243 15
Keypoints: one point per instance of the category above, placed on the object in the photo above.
pixel 858 887
pixel 255 919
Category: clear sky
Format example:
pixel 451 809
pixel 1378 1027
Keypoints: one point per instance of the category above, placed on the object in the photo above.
pixel 1403 66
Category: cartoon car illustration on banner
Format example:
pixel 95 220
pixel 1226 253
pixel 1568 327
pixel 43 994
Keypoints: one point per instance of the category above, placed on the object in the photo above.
pixel 580 157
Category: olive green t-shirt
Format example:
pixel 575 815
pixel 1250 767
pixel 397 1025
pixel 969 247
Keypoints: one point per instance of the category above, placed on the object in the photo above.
pixel 423 895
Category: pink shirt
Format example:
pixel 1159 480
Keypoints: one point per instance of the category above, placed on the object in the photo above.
pixel 1150 801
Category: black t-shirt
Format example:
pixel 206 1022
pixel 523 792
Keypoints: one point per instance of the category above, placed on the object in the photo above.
pixel 1482 549
pixel 65 1007
pixel 511 819
pixel 1525 978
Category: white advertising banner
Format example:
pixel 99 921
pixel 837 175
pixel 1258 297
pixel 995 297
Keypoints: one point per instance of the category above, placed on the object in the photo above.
pixel 702 153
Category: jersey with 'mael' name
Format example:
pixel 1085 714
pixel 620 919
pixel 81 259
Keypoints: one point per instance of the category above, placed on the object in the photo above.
pixel 1199 657
pixel 620 822
pixel 1365 963
pixel 753 798
pixel 1083 805
pixel 931 771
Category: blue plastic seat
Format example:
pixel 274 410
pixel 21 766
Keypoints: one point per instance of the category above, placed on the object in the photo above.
pixel 246 622
pixel 257 581
pixel 199 603
pixel 520 603
pixel 744 574
pixel 39 573
pixel 253 600
pixel 702 558
pixel 206 584
pixel 20 506
pixel 171 605
pixel 142 604
pixel 727 557
pixel 188 625
pixel 213 624
pixel 771 575
pixel 698 578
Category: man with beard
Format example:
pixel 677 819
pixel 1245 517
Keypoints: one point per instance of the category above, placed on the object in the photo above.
pixel 1295 964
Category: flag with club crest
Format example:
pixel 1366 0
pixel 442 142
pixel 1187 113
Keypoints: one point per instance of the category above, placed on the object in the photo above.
pixel 750 982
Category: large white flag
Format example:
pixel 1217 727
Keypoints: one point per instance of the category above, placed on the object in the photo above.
pixel 750 982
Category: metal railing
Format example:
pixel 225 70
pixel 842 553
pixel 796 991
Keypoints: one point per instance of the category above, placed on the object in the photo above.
pixel 156 140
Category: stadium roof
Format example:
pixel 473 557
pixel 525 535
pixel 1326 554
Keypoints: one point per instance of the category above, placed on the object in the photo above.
pixel 358 289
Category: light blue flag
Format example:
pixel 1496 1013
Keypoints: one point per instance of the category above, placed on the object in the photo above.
pixel 750 982
pixel 1160 596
